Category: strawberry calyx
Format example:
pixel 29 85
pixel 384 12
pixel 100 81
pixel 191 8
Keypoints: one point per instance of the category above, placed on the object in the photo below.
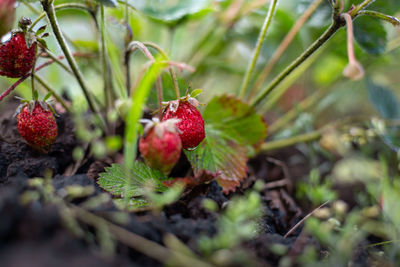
pixel 191 98
pixel 160 127
pixel 31 104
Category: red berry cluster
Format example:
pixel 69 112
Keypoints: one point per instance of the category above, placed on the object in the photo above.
pixel 182 126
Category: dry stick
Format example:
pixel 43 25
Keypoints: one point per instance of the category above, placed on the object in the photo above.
pixel 283 46
pixel 23 78
pixel 302 220
pixel 257 49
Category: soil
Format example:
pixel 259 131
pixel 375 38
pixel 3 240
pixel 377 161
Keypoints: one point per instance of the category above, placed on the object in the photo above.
pixel 36 235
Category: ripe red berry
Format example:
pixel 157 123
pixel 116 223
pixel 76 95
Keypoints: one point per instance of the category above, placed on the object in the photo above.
pixel 190 125
pixel 37 125
pixel 16 59
pixel 161 146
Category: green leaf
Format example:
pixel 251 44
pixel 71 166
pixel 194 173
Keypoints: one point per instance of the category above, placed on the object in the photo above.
pixel 232 128
pixel 110 3
pixel 134 204
pixel 171 12
pixel 114 180
pixel 370 35
pixel 232 115
pixel 383 100
pixel 387 106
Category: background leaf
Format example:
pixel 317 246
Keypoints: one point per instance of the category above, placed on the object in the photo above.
pixel 370 35
pixel 172 11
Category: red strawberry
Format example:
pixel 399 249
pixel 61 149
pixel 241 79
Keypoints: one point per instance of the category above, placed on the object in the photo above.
pixel 161 146
pixel 191 123
pixel 7 14
pixel 16 59
pixel 37 125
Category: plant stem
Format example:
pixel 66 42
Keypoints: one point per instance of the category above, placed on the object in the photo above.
pixel 336 25
pixel 106 73
pixel 60 7
pixel 278 144
pixel 59 62
pixel 49 9
pixel 361 7
pixel 171 70
pixel 283 46
pixel 393 20
pixel 137 242
pixel 302 106
pixel 257 49
pixel 23 78
pixel 56 96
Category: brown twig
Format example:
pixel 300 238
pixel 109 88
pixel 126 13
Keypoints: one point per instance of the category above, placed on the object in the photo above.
pixel 303 220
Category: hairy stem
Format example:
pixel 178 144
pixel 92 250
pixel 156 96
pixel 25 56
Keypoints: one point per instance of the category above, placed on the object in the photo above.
pixel 257 49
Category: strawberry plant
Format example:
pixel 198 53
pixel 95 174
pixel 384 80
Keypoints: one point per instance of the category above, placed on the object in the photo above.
pixel 291 141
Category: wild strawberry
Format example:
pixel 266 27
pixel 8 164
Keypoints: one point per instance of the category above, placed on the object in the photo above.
pixel 7 14
pixel 37 125
pixel 16 59
pixel 191 123
pixel 161 146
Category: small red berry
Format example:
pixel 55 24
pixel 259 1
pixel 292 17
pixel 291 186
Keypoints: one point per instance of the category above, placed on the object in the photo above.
pixel 161 145
pixel 37 126
pixel 191 123
pixel 16 59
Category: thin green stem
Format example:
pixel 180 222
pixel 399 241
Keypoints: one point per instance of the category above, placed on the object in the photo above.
pixel 278 144
pixel 361 7
pixel 257 49
pixel 58 61
pixel 393 20
pixel 106 76
pixel 336 25
pixel 33 81
pixel 291 114
pixel 49 9
pixel 60 7
pixel 170 69
pixel 56 96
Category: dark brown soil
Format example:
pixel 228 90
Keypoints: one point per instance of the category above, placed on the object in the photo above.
pixel 35 235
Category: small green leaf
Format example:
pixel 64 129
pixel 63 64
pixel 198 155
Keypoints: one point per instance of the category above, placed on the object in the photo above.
pixel 370 35
pixel 47 96
pixel 41 30
pixel 115 179
pixel 196 92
